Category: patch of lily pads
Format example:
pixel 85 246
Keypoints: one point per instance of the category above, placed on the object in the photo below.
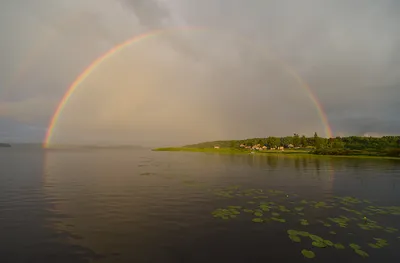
pixel 264 206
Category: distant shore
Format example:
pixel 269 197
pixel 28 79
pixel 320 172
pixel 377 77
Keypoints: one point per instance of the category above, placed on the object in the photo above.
pixel 290 152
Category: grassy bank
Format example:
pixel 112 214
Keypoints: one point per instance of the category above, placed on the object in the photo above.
pixel 231 151
pixel 275 152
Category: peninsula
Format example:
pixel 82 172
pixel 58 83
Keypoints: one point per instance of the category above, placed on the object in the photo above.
pixel 384 147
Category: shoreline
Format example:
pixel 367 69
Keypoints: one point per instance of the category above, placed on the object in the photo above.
pixel 268 152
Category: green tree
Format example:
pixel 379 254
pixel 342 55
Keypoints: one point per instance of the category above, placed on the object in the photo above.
pixel 337 143
pixel 232 144
pixel 317 141
pixel 296 140
pixel 303 141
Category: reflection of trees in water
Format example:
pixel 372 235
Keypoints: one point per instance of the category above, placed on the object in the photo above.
pixel 250 160
pixel 297 163
pixel 304 163
pixel 317 166
pixel 273 161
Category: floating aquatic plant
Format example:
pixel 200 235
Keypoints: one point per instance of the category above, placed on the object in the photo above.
pixel 225 213
pixel 380 242
pixel 359 213
pixel 304 222
pixel 316 238
pixel 257 220
pixel 283 209
pixel 265 208
pixel 258 214
pixel 234 207
pixel 319 244
pixel 361 253
pixel 292 232
pixel 341 221
pixel 391 230
pixel 308 253
pixel 354 246
pixel 278 219
pixel 295 238
pixel 322 205
pixel 328 242
pixel 373 245
pixel 339 246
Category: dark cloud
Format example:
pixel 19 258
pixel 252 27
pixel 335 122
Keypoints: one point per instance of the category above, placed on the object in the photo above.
pixel 151 13
pixel 233 76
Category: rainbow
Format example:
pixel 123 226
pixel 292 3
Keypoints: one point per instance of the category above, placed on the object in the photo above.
pixel 96 63
pixel 313 98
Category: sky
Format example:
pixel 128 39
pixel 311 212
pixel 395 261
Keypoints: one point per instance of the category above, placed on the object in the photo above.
pixel 228 80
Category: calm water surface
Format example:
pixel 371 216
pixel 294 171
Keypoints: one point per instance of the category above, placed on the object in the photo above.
pixel 143 206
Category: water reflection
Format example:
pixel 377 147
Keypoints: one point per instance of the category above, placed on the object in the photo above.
pixel 27 215
pixel 124 205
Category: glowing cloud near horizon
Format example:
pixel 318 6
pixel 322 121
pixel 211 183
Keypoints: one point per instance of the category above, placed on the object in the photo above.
pixel 100 60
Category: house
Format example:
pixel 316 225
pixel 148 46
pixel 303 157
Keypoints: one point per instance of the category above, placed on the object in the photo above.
pixel 216 147
pixel 290 146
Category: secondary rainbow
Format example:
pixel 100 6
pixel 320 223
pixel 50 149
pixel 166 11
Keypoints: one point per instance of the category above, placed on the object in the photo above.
pixel 96 63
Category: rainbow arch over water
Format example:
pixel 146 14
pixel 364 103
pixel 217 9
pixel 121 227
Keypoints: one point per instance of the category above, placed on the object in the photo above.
pixel 118 48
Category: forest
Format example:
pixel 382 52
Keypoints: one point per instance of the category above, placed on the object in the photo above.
pixel 351 145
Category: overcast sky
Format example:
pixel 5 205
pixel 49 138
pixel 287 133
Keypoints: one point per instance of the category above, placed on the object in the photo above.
pixel 224 82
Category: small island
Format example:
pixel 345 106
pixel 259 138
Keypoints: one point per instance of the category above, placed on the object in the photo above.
pixel 5 145
pixel 354 146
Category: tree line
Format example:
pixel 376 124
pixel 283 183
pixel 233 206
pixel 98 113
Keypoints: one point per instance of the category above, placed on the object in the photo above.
pixel 338 145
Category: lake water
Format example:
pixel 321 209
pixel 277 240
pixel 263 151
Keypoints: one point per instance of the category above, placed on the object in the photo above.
pixel 143 206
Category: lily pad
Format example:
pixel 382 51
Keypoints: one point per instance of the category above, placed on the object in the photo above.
pixel 339 246
pixel 258 214
pixel 328 242
pixel 354 246
pixel 278 219
pixel 257 220
pixel 304 222
pixel 316 238
pixel 304 234
pixel 332 232
pixel 275 214
pixel 295 238
pixel 308 253
pixel 319 244
pixel 292 232
pixel 361 253
pixel 373 245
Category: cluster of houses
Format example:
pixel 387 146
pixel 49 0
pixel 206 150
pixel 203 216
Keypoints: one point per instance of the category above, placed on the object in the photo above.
pixel 258 147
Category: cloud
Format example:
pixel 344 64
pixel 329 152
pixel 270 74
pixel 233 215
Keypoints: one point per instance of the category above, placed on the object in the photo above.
pixel 150 13
pixel 190 85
